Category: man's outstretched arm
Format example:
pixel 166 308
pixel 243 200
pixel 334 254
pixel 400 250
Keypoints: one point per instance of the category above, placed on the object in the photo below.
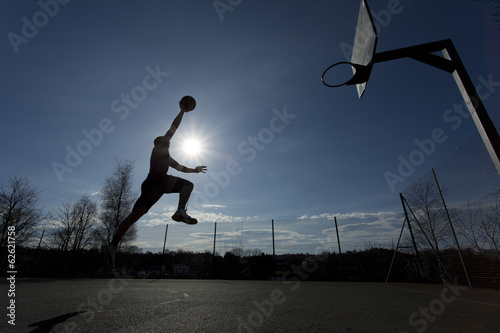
pixel 181 168
pixel 187 104
pixel 175 124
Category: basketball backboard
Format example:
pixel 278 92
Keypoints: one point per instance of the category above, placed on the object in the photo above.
pixel 365 44
pixel 364 56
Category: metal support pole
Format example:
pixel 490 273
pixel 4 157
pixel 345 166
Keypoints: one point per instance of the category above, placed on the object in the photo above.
pixel 165 240
pixel 41 237
pixel 340 250
pixel 213 251
pixel 452 228
pixel 274 251
pixel 484 125
pixel 215 238
pixel 163 253
pixel 396 250
pixel 452 63
pixel 420 265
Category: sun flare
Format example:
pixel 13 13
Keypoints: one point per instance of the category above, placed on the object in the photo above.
pixel 192 147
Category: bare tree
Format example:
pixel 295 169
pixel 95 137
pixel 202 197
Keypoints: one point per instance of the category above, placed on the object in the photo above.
pixel 252 253
pixel 117 201
pixel 19 208
pixel 425 202
pixel 63 226
pixel 237 251
pixel 491 227
pixel 469 226
pixel 75 225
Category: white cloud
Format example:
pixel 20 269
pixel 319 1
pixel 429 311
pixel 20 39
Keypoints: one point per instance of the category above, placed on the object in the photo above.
pixel 212 206
pixel 155 218
pixel 358 229
pixel 344 216
pixel 152 222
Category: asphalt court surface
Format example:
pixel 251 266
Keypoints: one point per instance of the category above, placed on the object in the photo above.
pixel 123 305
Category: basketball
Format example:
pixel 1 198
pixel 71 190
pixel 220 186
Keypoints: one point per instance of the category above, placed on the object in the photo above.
pixel 187 103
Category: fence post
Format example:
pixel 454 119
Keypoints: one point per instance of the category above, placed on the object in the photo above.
pixel 274 251
pixel 340 251
pixel 163 253
pixel 213 251
pixel 396 250
pixel 420 265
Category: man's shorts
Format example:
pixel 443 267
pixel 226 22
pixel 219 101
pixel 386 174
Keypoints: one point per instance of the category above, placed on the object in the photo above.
pixel 153 188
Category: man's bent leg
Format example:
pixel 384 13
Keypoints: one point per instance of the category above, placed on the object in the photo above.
pixel 147 199
pixel 184 187
pixel 122 229
pixel 184 194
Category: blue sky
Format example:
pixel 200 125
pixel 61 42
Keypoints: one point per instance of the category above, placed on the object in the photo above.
pixel 93 81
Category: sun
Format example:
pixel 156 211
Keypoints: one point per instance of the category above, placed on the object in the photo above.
pixel 192 147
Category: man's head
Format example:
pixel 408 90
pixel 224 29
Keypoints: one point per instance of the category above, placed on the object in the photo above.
pixel 161 141
pixel 187 103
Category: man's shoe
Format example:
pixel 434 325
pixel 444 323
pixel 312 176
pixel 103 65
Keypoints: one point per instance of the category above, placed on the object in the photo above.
pixel 181 216
pixel 108 256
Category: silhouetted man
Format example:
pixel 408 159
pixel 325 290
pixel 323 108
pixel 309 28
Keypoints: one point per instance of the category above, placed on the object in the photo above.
pixel 157 183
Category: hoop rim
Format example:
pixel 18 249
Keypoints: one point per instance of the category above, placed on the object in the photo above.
pixel 336 64
pixel 360 74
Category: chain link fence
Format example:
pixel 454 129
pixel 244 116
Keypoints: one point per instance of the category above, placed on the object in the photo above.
pixel 453 219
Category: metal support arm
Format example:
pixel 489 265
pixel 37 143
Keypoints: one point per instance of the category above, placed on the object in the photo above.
pixel 452 63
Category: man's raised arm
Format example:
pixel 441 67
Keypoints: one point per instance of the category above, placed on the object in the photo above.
pixel 187 104
pixel 175 124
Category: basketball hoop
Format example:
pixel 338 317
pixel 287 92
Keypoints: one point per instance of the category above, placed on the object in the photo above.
pixel 360 74
pixel 363 51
